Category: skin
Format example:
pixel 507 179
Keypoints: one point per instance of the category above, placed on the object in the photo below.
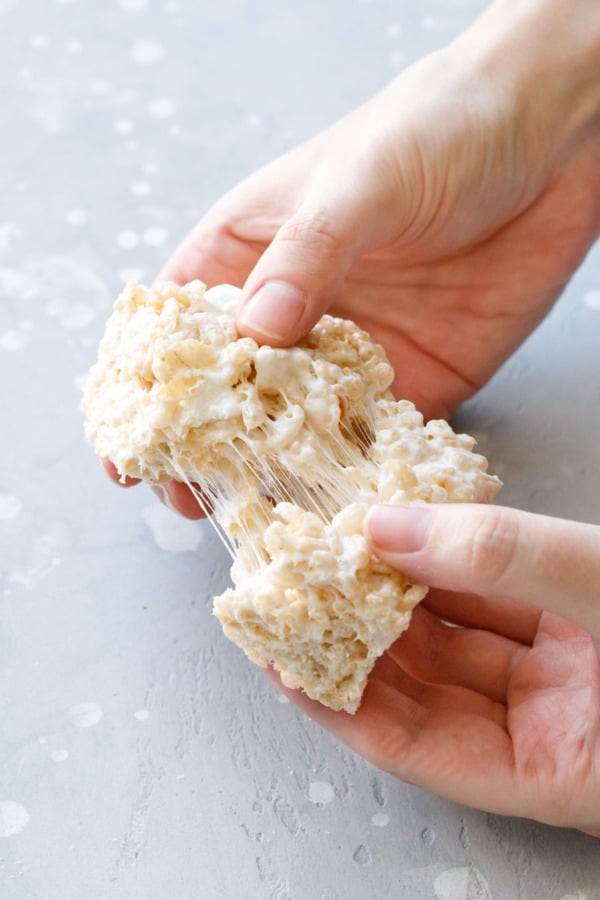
pixel 445 216
pixel 503 717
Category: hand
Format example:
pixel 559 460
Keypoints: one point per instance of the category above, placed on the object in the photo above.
pixel 503 712
pixel 445 216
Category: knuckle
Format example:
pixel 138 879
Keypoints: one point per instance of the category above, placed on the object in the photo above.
pixel 315 231
pixel 387 748
pixel 492 551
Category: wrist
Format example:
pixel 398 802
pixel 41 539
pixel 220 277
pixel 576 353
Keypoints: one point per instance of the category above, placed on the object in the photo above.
pixel 547 54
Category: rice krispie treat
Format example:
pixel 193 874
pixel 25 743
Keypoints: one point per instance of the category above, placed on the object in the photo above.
pixel 287 448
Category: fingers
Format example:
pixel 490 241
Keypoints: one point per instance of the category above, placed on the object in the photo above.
pixel 213 253
pixel 173 494
pixel 440 654
pixel 113 474
pixel 563 659
pixel 444 748
pixel 179 498
pixel 291 232
pixel 297 276
pixel 227 242
pixel 495 552
pixel 442 694
pixel 348 208
pixel 513 619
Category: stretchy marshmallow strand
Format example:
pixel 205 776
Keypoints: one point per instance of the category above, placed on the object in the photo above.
pixel 287 448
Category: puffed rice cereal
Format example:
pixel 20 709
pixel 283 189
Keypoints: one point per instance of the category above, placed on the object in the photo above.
pixel 287 448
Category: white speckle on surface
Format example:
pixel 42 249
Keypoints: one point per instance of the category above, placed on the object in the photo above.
pixel 17 282
pixel 320 792
pixel 80 381
pixel 123 126
pixel 13 340
pixel 253 120
pixel 172 6
pixel 131 145
pixel 172 532
pixel 76 216
pixel 42 740
pixel 132 274
pixel 380 820
pixel 463 883
pixel 71 315
pixel 146 52
pixel 592 299
pixel 85 715
pixel 397 59
pixel 8 232
pixel 393 30
pixel 59 756
pixel 155 236
pixel 99 86
pixel 151 168
pixel 142 715
pixel 26 579
pixel 73 46
pixel 283 699
pixel 127 240
pixel 162 108
pixel 141 188
pixel 10 505
pixel 39 41
pixel 13 818
pixel 175 130
pixel 54 278
pixel 430 23
pixel 50 104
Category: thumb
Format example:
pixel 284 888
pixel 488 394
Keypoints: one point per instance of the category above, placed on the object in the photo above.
pixel 299 274
pixel 495 552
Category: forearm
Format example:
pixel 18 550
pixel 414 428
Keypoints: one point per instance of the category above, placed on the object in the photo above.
pixel 548 53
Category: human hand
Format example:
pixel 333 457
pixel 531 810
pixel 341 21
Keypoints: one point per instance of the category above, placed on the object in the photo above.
pixel 444 216
pixel 174 494
pixel 503 712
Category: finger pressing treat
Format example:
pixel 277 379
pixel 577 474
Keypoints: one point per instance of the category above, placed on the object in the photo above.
pixel 287 449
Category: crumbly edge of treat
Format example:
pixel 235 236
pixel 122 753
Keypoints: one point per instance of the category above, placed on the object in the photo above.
pixel 336 385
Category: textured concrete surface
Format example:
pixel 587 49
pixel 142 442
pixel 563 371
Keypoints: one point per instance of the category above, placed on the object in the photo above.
pixel 141 756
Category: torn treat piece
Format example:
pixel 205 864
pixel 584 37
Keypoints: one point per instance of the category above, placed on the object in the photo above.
pixel 287 448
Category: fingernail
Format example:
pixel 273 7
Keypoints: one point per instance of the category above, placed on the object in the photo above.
pixel 398 529
pixel 274 311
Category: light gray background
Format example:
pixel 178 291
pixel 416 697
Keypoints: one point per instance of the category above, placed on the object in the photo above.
pixel 146 758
